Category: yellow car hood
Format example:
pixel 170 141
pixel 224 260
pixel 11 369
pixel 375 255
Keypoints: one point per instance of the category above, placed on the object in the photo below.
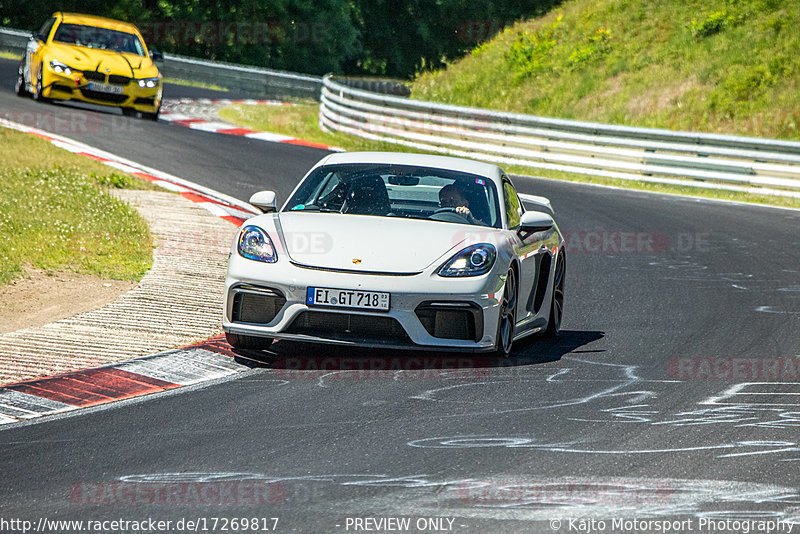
pixel 105 61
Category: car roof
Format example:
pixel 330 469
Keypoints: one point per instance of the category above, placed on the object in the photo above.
pixel 421 160
pixel 92 20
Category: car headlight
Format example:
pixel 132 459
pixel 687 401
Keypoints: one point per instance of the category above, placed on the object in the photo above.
pixel 60 68
pixel 148 82
pixel 255 244
pixel 474 260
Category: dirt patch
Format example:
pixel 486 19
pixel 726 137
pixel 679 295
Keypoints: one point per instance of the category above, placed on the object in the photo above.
pixel 39 298
pixel 613 88
pixel 658 99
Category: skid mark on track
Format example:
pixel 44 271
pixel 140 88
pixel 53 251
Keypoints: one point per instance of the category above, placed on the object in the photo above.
pixel 516 496
pixel 471 442
pixel 626 376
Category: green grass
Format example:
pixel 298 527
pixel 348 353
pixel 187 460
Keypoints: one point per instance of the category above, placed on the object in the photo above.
pixel 56 213
pixel 9 55
pixel 191 83
pixel 732 196
pixel 302 121
pixel 711 65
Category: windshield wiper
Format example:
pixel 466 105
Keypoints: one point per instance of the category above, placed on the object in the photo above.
pixel 313 207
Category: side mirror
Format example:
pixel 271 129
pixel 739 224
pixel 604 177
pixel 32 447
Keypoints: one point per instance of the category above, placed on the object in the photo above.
pixel 535 221
pixel 156 55
pixel 265 201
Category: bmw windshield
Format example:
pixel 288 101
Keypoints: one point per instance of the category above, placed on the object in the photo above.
pixel 100 38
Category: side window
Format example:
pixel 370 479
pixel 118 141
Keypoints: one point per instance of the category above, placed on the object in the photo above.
pixel 44 31
pixel 512 205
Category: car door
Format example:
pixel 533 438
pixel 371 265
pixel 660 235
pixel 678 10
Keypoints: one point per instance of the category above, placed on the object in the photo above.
pixel 526 247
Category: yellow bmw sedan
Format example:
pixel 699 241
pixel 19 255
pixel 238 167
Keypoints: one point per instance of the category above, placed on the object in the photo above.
pixel 91 59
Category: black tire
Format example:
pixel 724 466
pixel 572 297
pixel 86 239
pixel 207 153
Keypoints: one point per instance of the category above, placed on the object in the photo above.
pixel 20 88
pixel 557 301
pixel 507 321
pixel 151 116
pixel 39 89
pixel 238 341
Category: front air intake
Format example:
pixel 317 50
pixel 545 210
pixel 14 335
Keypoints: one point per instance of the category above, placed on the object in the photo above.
pixel 378 330
pixel 256 306
pixel 451 320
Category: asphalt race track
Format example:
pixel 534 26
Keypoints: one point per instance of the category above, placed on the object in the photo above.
pixel 672 394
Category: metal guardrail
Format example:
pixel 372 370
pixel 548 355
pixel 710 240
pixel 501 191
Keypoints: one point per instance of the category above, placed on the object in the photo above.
pixel 13 40
pixel 378 85
pixel 753 165
pixel 252 80
pixel 723 162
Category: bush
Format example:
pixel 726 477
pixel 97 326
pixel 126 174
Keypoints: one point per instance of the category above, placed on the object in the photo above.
pixel 713 23
pixel 598 43
pixel 531 51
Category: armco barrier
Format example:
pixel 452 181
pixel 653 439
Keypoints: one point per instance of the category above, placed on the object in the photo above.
pixel 754 165
pixel 13 40
pixel 723 162
pixel 252 80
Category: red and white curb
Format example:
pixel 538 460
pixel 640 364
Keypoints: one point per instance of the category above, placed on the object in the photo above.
pixel 229 102
pixel 219 204
pixel 210 360
pixel 160 372
pixel 198 122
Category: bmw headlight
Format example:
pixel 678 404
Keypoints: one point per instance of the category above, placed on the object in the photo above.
pixel 474 260
pixel 255 244
pixel 60 68
pixel 148 82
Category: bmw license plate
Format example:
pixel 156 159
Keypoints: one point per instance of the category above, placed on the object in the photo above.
pixel 105 88
pixel 347 298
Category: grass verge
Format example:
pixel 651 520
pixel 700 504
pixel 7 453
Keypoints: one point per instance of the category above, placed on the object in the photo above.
pixel 10 55
pixel 56 213
pixel 718 66
pixel 191 83
pixel 732 196
pixel 301 121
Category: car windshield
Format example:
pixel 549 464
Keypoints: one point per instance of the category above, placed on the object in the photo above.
pixel 399 191
pixel 101 38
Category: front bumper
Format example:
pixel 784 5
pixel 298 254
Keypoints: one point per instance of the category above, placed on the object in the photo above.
pixel 414 299
pixel 59 86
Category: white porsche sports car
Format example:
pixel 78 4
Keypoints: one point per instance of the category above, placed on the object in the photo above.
pixel 396 250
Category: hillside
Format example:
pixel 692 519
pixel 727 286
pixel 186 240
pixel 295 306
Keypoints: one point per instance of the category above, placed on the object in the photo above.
pixel 714 65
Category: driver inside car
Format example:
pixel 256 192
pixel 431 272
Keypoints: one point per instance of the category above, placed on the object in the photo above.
pixel 451 196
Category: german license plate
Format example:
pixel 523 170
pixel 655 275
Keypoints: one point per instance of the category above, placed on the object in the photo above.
pixel 105 88
pixel 347 298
